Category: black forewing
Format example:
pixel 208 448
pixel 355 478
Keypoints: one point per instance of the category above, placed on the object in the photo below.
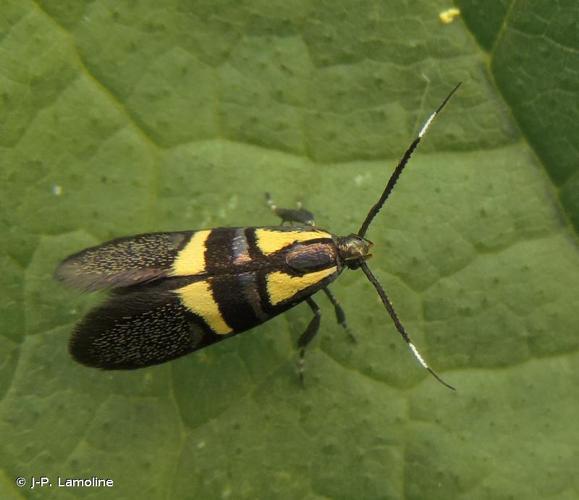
pixel 139 327
pixel 123 262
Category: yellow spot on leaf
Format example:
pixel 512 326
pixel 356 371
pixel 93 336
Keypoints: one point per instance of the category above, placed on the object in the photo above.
pixel 449 15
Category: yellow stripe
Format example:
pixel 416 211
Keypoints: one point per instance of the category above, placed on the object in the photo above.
pixel 197 297
pixel 282 286
pixel 270 241
pixel 191 260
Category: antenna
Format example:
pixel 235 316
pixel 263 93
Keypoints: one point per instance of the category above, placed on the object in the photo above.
pixel 400 167
pixel 390 308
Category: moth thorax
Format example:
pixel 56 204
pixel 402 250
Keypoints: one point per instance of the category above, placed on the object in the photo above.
pixel 353 249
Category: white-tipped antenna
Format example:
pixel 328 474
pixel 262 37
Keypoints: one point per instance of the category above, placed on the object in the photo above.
pixel 401 164
pixel 390 308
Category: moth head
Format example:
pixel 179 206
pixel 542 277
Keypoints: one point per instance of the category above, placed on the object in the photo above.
pixel 354 249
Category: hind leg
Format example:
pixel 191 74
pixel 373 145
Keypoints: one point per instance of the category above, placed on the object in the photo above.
pixel 291 215
pixel 311 331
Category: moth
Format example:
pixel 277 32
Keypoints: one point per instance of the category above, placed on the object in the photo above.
pixel 174 293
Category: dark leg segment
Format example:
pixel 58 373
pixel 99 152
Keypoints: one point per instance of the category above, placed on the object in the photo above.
pixel 306 337
pixel 299 215
pixel 340 315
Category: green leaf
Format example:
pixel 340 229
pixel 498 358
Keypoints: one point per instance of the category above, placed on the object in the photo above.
pixel 125 117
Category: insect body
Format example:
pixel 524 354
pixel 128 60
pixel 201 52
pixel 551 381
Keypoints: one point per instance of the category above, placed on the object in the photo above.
pixel 175 293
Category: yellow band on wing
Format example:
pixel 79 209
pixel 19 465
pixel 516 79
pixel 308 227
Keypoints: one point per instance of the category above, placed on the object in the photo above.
pixel 282 286
pixel 270 241
pixel 198 298
pixel 191 260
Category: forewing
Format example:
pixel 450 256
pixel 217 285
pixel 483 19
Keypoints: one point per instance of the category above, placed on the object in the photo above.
pixel 139 328
pixel 123 262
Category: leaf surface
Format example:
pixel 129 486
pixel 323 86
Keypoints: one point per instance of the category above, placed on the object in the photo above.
pixel 126 117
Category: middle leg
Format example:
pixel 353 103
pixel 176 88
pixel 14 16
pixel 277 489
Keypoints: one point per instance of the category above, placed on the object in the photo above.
pixel 340 315
pixel 306 337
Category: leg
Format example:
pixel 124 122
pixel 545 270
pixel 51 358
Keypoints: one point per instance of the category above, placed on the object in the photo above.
pixel 300 215
pixel 340 315
pixel 307 336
